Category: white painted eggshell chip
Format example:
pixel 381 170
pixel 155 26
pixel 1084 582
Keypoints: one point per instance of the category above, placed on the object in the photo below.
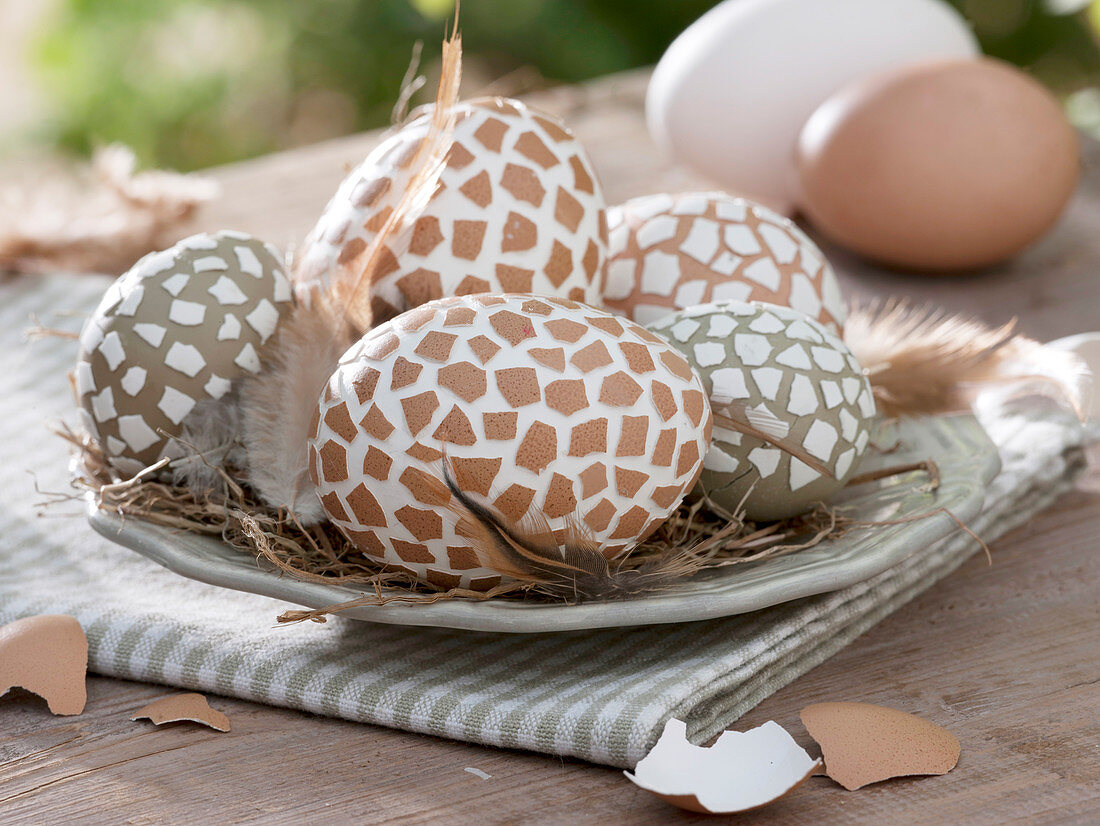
pixel 741 771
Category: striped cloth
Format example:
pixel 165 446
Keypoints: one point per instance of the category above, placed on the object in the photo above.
pixel 600 695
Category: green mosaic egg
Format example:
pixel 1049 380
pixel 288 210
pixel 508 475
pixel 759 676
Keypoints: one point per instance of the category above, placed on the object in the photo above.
pixel 773 371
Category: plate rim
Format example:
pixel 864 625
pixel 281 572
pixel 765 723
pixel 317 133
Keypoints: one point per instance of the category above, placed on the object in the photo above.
pixel 161 545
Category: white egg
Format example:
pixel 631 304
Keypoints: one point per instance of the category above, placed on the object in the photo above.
pixel 731 94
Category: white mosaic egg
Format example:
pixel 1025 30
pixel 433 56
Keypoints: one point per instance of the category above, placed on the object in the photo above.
pixel 792 381
pixel 541 405
pixel 175 331
pixel 670 252
pixel 517 209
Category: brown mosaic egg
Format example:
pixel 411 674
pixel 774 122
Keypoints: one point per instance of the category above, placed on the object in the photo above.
pixel 539 405
pixel 174 331
pixel 671 252
pixel 517 209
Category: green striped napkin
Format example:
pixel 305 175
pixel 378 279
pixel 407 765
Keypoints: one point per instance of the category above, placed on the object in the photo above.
pixel 599 695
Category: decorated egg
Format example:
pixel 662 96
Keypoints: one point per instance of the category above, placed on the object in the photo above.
pixel 543 410
pixel 792 408
pixel 517 209
pixel 730 95
pixel 947 165
pixel 173 334
pixel 670 252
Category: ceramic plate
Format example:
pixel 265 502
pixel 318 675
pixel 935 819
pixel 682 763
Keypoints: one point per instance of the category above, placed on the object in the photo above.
pixel 966 458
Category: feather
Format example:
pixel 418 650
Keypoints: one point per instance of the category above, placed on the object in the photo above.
pixel 767 427
pixel 209 441
pixel 532 552
pixel 352 282
pixel 277 405
pixel 922 361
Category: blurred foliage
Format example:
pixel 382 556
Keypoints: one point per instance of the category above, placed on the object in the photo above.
pixel 190 83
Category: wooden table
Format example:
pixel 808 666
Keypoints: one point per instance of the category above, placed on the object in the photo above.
pixel 1007 656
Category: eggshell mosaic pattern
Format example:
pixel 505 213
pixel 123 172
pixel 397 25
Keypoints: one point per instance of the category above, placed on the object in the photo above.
pixel 518 209
pixel 670 252
pixel 798 381
pixel 540 403
pixel 176 329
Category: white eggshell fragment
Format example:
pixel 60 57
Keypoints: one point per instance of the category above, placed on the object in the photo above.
pixel 743 770
pixel 540 404
pixel 518 209
pixel 173 332
pixel 670 252
pixel 732 92
pixel 796 382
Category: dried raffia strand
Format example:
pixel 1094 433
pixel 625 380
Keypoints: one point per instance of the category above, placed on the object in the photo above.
pixel 695 538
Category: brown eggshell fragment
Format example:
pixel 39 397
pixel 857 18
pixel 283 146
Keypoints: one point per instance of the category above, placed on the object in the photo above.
pixel 950 165
pixel 46 655
pixel 863 743
pixel 179 707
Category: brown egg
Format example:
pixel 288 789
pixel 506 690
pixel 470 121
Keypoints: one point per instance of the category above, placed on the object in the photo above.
pixel 950 165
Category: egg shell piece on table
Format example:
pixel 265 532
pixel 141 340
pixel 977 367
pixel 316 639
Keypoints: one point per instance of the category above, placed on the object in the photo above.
pixel 795 382
pixel 171 334
pixel 539 404
pixel 671 252
pixel 731 93
pixel 865 743
pixel 742 771
pixel 47 655
pixel 517 209
pixel 947 165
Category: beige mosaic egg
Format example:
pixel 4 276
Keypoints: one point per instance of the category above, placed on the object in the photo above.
pixel 670 252
pixel 171 333
pixel 517 209
pixel 539 405
pixel 789 378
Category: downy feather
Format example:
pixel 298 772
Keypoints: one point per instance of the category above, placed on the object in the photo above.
pixel 923 361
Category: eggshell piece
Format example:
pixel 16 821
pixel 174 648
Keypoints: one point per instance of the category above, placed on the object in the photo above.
pixel 942 166
pixel 46 655
pixel 864 743
pixel 670 252
pixel 173 333
pixel 742 771
pixel 730 95
pixel 797 382
pixel 540 404
pixel 192 707
pixel 518 209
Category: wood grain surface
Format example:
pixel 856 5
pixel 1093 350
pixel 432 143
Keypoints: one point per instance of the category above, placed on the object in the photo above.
pixel 1007 656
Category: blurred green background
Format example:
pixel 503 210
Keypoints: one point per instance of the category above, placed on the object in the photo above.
pixel 191 83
